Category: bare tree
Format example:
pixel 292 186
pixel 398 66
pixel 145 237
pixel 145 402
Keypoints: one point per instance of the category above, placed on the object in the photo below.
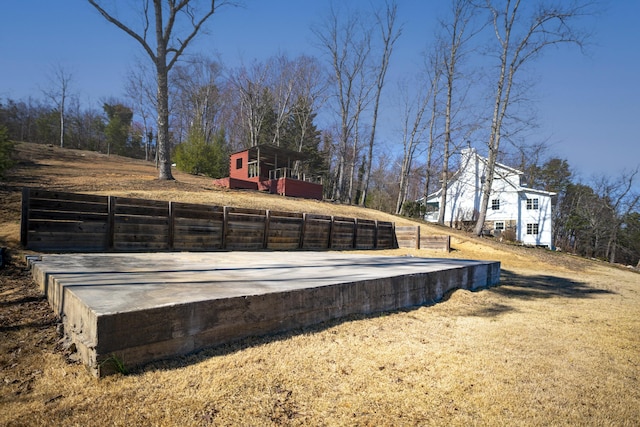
pixel 285 76
pixel 415 99
pixel 390 35
pixel 175 24
pixel 435 77
pixel 522 33
pixel 251 84
pixel 140 89
pixel 196 97
pixel 620 200
pixel 457 33
pixel 58 91
pixel 347 47
pixel 311 90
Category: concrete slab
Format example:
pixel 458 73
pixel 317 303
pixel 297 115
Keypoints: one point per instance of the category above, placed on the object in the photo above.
pixel 141 307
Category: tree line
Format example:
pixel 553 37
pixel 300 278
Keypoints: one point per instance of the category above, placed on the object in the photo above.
pixel 473 88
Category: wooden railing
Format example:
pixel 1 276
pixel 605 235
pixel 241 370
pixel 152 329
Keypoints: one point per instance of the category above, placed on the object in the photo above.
pixel 70 222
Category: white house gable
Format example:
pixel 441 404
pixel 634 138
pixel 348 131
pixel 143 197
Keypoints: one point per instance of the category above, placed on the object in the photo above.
pixel 525 211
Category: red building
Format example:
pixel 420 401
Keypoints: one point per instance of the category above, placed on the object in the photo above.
pixel 273 169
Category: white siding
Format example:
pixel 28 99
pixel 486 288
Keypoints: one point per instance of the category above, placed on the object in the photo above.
pixel 464 195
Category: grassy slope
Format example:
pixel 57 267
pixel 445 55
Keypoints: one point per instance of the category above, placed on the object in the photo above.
pixel 556 343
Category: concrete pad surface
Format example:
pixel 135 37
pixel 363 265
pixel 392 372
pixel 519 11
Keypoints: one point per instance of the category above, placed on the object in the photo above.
pixel 135 304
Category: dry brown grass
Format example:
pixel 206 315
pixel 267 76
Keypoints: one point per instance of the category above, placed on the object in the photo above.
pixel 557 343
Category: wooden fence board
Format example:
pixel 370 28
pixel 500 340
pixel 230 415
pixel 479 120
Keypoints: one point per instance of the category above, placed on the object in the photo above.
pixel 146 211
pixel 365 234
pixel 64 242
pixel 283 230
pixel 68 206
pixel 192 210
pixel 343 232
pixel 386 236
pixel 408 236
pixel 317 232
pixel 438 243
pixel 46 215
pixel 58 195
pixel 244 228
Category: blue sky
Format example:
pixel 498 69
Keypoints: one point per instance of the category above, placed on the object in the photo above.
pixel 588 105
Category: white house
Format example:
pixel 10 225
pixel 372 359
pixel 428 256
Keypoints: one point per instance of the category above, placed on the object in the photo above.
pixel 513 207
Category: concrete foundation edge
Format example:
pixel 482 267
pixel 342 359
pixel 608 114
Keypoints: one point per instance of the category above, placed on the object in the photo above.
pixel 105 343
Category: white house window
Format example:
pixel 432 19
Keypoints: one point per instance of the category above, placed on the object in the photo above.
pixel 498 226
pixel 532 204
pixel 532 229
pixel 495 204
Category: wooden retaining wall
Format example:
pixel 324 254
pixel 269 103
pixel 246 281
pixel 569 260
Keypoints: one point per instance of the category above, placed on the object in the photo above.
pixel 409 237
pixel 69 222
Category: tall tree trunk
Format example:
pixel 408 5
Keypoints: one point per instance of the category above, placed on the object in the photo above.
pixel 389 39
pixel 164 145
pixel 62 123
pixel 164 169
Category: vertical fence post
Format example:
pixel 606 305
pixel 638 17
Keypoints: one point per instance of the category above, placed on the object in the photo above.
pixel 354 244
pixel 111 223
pixel 304 225
pixel 394 237
pixel 225 225
pixel 24 219
pixel 331 233
pixel 172 225
pixel 375 235
pixel 417 237
pixel 267 224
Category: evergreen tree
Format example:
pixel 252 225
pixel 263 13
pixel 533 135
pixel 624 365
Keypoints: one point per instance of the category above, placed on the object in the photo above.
pixel 47 128
pixel 117 130
pixel 196 156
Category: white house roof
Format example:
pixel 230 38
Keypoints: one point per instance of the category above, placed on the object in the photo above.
pixel 509 171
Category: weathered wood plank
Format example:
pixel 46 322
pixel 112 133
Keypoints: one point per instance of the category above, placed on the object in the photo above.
pixel 439 243
pixel 63 205
pixel 128 201
pixel 146 211
pixel 133 221
pixel 282 214
pixel 194 211
pixel 36 193
pixel 36 214
pixel 140 238
pixel 408 236
pixel 142 228
pixel 188 229
pixel 246 211
pixel 67 227
pixel 140 246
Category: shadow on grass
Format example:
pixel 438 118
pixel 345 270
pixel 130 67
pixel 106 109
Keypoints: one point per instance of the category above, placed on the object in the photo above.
pixel 514 285
pixel 517 286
